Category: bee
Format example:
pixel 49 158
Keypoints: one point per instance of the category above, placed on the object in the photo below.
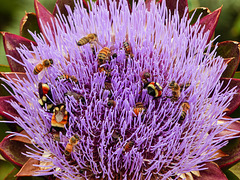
pixel 108 86
pixel 176 90
pixel 185 107
pixel 41 67
pixel 93 50
pixel 67 78
pixel 127 49
pixel 72 142
pixel 128 146
pixel 107 72
pixel 104 54
pixel 111 103
pixel 145 75
pixel 153 89
pixel 45 97
pixel 59 118
pixel 87 39
pixel 139 108
pixel 44 89
pixel 117 136
pixel 76 96
pixel 184 86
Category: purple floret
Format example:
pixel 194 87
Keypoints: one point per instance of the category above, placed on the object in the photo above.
pixel 153 144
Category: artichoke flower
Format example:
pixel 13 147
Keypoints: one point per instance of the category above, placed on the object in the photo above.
pixel 120 90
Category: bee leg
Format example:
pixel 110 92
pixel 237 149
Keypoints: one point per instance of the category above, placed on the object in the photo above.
pixel 100 44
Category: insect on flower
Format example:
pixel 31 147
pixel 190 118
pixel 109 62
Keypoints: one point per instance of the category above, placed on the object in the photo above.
pixel 41 68
pixel 139 108
pixel 175 91
pixel 145 75
pixel 185 107
pixel 108 86
pixel 87 39
pixel 154 89
pixel 111 103
pixel 128 146
pixel 116 135
pixel 45 95
pixel 76 96
pixel 128 49
pixel 68 78
pixel 59 118
pixel 72 142
pixel 105 54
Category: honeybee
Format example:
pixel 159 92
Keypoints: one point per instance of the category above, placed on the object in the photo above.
pixel 145 75
pixel 111 103
pixel 76 96
pixel 68 78
pixel 139 108
pixel 104 54
pixel 108 86
pixel 59 118
pixel 185 107
pixel 103 69
pixel 93 50
pixel 176 90
pixel 41 67
pixel 184 86
pixel 45 97
pixel 128 146
pixel 87 39
pixel 154 89
pixel 116 136
pixel 72 142
pixel 127 49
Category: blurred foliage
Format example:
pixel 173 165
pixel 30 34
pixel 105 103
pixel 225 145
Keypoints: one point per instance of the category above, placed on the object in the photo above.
pixel 11 13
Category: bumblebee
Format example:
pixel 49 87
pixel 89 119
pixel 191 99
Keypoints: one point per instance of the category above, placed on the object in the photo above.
pixel 153 89
pixel 45 95
pixel 176 90
pixel 76 96
pixel 44 89
pixel 72 142
pixel 59 118
pixel 139 108
pixel 67 78
pixel 41 67
pixel 111 103
pixel 127 49
pixel 185 107
pixel 128 146
pixel 87 39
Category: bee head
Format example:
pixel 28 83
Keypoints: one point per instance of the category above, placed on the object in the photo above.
pixel 151 91
pixel 51 61
pixel 172 84
pixel 76 137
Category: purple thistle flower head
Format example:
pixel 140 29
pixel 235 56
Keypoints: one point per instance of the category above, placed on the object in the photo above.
pixel 143 96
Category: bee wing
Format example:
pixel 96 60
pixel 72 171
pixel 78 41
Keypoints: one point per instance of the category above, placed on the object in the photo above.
pixel 34 61
pixel 41 74
pixel 59 116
